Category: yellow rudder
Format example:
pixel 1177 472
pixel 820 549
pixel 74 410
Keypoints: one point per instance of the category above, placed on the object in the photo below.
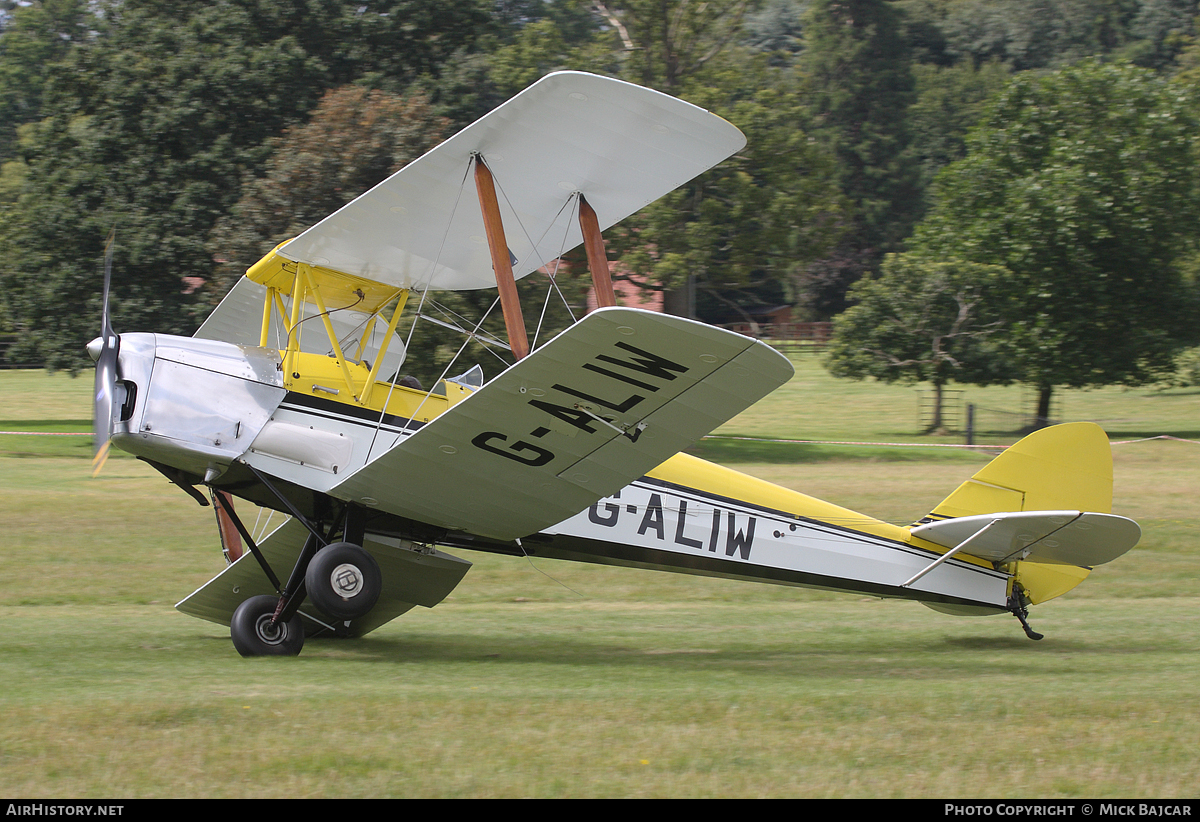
pixel 1064 467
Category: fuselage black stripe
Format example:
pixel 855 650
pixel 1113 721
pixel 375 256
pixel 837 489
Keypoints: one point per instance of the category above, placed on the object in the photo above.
pixel 587 549
pixel 342 412
pixel 786 518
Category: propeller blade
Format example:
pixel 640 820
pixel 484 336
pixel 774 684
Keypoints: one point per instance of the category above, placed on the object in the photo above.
pixel 102 420
pixel 106 370
pixel 105 320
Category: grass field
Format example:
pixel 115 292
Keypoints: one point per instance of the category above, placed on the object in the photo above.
pixel 561 680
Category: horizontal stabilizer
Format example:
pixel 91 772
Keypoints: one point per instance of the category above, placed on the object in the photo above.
pixel 1053 537
pixel 410 578
pixel 597 407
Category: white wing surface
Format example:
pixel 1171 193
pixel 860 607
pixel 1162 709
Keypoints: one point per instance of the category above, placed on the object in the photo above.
pixel 621 145
pixel 1056 537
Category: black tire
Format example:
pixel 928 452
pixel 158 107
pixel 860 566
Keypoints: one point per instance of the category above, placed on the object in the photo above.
pixel 344 581
pixel 253 634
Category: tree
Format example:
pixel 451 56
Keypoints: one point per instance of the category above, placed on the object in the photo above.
pixel 354 139
pixel 859 84
pixel 950 101
pixel 148 130
pixel 1035 34
pixel 153 125
pixel 667 41
pixel 1083 185
pixel 755 220
pixel 923 321
pixel 678 47
pixel 36 35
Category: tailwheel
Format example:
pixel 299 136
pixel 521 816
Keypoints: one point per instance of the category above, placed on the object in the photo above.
pixel 1018 606
pixel 254 633
pixel 343 580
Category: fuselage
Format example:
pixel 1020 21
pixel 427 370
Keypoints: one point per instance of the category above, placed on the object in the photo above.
pixel 206 409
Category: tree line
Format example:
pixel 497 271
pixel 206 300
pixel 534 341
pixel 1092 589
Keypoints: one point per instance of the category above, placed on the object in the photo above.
pixel 980 190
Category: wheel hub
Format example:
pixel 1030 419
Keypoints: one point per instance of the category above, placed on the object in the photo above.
pixel 347 580
pixel 272 634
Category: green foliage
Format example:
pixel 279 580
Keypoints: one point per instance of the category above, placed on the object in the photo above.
pixel 153 116
pixel 757 217
pixel 859 86
pixel 1035 34
pixel 777 28
pixel 950 101
pixel 1083 185
pixel 354 139
pixel 1161 31
pixel 37 35
pixel 1187 368
pixel 665 43
pixel 152 127
pixel 922 320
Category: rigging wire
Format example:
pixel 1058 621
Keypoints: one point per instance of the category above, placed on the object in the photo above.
pixel 445 371
pixel 529 559
pixel 474 334
pixel 553 275
pixel 327 312
pixel 424 293
pixel 574 198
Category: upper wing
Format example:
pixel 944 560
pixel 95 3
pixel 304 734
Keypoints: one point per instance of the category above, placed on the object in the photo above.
pixel 621 145
pixel 1055 537
pixel 597 407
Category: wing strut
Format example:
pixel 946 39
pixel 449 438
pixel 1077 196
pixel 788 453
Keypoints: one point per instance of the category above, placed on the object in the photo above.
pixel 593 243
pixel 949 554
pixel 510 304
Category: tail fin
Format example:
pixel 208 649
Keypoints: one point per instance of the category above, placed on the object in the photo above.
pixel 1064 467
pixel 1061 468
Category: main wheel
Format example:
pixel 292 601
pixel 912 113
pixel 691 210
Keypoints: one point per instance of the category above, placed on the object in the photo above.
pixel 343 580
pixel 254 635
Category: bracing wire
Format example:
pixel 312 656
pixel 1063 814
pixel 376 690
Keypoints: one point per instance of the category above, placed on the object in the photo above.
pixel 446 370
pixel 554 274
pixel 474 334
pixel 574 198
pixel 327 312
pixel 529 559
pixel 424 293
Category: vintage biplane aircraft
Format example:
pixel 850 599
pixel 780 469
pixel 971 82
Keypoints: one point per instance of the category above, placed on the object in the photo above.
pixel 290 396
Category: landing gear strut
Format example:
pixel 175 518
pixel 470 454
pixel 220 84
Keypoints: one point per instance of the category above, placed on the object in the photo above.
pixel 1017 605
pixel 341 579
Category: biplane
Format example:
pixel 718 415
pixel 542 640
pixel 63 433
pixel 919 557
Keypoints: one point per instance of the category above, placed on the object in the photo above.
pixel 292 396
